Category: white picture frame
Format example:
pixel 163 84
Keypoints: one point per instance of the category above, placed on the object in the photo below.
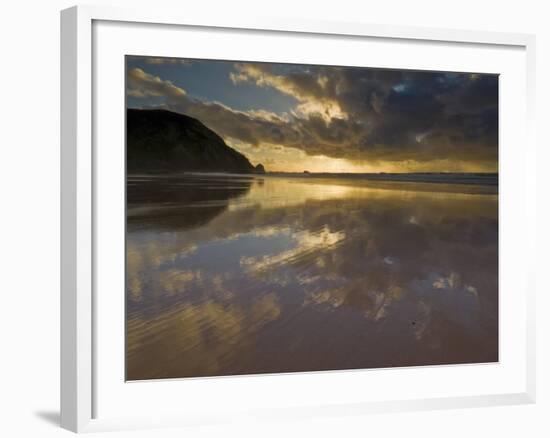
pixel 79 199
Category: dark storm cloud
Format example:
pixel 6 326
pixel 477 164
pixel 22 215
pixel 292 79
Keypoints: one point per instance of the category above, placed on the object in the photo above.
pixel 355 113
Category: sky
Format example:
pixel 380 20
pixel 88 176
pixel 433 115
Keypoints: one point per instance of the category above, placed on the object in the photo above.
pixel 317 118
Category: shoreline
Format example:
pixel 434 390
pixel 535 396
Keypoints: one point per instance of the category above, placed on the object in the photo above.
pixel 442 178
pixel 485 179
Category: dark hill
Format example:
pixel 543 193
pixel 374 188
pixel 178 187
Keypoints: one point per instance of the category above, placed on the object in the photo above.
pixel 164 141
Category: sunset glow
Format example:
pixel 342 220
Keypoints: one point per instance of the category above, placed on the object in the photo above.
pixel 293 118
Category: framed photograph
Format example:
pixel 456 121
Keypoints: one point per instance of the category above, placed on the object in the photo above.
pixel 283 218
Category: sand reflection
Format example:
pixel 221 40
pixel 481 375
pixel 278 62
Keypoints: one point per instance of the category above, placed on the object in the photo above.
pixel 238 275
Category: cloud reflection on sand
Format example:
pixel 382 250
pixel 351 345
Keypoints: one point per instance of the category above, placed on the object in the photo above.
pixel 306 274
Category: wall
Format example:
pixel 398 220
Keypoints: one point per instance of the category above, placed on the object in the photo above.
pixel 29 248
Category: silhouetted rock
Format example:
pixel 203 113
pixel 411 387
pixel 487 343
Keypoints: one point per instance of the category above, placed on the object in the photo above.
pixel 163 141
pixel 259 168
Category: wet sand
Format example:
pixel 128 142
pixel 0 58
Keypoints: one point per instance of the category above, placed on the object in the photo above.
pixel 236 274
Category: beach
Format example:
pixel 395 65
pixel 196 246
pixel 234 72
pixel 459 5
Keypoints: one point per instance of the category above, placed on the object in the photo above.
pixel 245 274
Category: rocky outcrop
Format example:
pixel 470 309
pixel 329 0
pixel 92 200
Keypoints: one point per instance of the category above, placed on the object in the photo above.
pixel 161 141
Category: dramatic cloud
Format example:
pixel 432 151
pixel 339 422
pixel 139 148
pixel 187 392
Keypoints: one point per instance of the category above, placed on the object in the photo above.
pixel 358 114
pixel 141 84
pixel 309 89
